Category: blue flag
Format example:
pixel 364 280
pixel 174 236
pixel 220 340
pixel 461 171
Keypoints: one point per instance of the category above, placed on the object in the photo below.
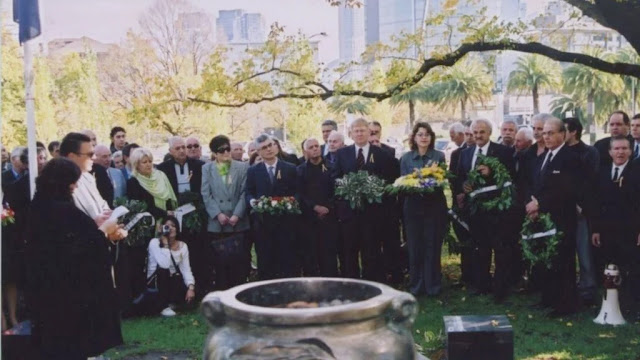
pixel 27 14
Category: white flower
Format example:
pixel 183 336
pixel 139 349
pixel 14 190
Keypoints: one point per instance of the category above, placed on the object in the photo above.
pixel 288 206
pixel 274 203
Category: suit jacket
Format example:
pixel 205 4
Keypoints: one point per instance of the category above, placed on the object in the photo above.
pixel 323 192
pixel 330 158
pixel 616 203
pixel 229 199
pixel 103 182
pixel 7 179
pixel 502 153
pixel 389 149
pixel 379 163
pixel 453 164
pixel 258 183
pixel 559 188
pixel 195 166
pixel 118 182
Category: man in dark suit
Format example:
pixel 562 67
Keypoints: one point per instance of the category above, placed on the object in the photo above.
pixel 618 124
pixel 615 214
pixel 320 225
pixel 328 126
pixel 17 168
pixel 275 238
pixel 335 142
pixel 362 230
pixel 457 134
pixel 635 134
pixel 556 192
pixel 490 229
pixel 375 138
pixel 184 174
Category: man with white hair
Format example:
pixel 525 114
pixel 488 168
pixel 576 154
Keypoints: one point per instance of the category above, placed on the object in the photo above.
pixel 320 225
pixel 91 135
pixel 16 170
pixel 184 173
pixel 489 229
pixel 523 139
pixel 362 229
pixel 456 133
pixel 194 149
pixel 508 131
pixel 335 142
pixel 237 152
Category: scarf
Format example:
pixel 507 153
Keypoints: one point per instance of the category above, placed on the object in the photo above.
pixel 158 186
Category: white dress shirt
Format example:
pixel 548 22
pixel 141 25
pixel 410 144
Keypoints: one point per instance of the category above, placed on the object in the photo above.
pixel 620 169
pixel 183 176
pixel 551 152
pixel 365 151
pixel 485 150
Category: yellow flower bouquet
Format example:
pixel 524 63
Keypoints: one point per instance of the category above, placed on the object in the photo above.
pixel 421 181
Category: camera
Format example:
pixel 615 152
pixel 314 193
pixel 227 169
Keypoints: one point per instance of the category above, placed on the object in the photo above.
pixel 166 230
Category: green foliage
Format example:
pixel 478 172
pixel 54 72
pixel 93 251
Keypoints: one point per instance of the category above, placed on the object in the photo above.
pixel 359 189
pixel 499 176
pixel 143 231
pixel 541 250
pixel 193 222
pixel 534 74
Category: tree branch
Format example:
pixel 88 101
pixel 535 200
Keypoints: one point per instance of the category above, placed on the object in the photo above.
pixel 448 60
pixel 589 9
pixel 261 73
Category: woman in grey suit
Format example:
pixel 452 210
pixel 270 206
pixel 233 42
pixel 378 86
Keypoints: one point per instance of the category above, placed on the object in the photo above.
pixel 425 216
pixel 223 191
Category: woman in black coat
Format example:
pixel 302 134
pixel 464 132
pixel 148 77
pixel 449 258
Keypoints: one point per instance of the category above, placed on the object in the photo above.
pixel 70 289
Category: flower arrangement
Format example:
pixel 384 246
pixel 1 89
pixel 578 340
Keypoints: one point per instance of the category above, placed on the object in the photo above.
pixel 143 230
pixel 276 205
pixel 8 215
pixel 193 222
pixel 540 240
pixel 421 181
pixel 482 196
pixel 360 188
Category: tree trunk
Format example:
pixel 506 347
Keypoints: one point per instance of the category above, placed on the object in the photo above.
pixel 412 113
pixel 463 109
pixel 536 100
pixel 590 116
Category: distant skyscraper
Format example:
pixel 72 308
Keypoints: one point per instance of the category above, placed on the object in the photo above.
pixel 238 26
pixel 351 29
pixel 371 21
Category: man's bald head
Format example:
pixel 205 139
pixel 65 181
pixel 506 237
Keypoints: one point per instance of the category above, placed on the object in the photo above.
pixel 91 135
pixel 103 155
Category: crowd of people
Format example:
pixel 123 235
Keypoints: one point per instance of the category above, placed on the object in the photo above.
pixel 66 252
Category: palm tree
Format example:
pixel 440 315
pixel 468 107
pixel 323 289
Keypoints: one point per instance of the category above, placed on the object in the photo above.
pixel 417 93
pixel 466 81
pixel 534 74
pixel 594 87
pixel 351 104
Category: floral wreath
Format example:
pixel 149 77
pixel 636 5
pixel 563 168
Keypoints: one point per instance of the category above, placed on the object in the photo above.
pixel 540 240
pixel 503 184
pixel 359 189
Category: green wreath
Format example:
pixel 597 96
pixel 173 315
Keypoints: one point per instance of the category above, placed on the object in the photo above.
pixel 541 250
pixel 143 231
pixel 501 179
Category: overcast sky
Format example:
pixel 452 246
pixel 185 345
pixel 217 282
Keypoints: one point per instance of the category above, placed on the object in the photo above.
pixel 109 20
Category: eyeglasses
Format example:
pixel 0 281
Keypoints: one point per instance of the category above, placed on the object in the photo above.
pixel 268 146
pixel 194 146
pixel 223 149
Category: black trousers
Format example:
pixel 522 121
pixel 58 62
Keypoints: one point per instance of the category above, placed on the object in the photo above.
pixel 391 252
pixel 559 288
pixel 361 235
pixel 319 245
pixel 225 256
pixel 490 232
pixel 171 289
pixel 466 252
pixel 275 246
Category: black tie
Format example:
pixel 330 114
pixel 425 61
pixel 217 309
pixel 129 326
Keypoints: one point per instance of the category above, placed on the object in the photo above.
pixel 360 159
pixel 480 151
pixel 636 151
pixel 546 164
pixel 615 174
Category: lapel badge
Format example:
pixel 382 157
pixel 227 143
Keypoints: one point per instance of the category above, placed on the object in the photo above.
pixel 620 181
pixel 324 168
pixel 278 176
pixel 371 159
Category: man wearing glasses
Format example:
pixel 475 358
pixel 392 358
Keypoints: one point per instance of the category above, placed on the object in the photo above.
pixel 275 238
pixel 184 173
pixel 194 150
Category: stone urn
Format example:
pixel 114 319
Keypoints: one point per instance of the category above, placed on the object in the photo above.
pixel 310 318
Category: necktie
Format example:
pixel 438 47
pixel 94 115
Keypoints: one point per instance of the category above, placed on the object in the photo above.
pixel 360 159
pixel 615 174
pixel 480 151
pixel 546 163
pixel 636 152
pixel 271 174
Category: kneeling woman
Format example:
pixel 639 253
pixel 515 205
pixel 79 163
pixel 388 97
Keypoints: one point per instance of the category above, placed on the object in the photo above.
pixel 169 268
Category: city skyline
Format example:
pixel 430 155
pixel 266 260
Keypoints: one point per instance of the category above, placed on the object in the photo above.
pixel 109 20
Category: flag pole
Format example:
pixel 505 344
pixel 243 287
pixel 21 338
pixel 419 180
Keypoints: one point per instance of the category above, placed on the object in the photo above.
pixel 30 104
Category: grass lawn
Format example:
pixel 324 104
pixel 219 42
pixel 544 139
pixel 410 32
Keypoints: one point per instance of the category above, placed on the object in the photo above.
pixel 536 337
